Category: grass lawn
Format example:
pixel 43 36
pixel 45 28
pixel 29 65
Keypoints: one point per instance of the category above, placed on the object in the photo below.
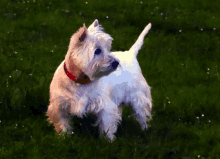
pixel 179 59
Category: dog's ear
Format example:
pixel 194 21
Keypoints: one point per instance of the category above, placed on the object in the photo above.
pixel 82 33
pixel 78 38
pixel 95 23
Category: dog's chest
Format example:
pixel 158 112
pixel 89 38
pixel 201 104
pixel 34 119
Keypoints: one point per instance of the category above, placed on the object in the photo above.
pixel 83 91
pixel 85 99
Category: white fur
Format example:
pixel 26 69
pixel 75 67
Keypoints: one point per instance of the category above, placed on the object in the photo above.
pixel 127 85
pixel 106 91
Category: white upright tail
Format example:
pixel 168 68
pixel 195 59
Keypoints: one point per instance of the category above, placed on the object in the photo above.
pixel 137 45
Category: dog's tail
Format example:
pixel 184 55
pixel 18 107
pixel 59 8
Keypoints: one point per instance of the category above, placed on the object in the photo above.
pixel 137 45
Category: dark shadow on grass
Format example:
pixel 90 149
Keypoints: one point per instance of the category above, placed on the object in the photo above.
pixel 128 127
pixel 85 126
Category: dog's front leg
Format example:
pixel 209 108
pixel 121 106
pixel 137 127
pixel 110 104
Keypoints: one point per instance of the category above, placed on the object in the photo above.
pixel 108 120
pixel 59 115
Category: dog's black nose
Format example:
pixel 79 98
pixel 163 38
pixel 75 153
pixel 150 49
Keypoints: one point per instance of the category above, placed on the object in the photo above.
pixel 115 64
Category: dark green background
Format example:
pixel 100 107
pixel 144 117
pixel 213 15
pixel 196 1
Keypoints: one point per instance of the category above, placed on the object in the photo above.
pixel 179 59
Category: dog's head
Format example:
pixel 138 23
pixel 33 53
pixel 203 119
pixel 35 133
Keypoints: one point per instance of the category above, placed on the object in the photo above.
pixel 89 52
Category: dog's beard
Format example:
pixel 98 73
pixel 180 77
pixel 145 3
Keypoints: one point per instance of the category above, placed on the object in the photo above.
pixel 106 70
pixel 100 74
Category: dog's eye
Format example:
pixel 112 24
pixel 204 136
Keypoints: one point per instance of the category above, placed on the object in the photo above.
pixel 98 51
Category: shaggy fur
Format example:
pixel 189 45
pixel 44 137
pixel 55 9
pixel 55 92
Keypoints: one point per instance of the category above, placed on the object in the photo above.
pixel 128 86
pixel 89 59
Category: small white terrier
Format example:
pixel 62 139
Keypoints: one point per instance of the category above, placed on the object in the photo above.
pixel 86 81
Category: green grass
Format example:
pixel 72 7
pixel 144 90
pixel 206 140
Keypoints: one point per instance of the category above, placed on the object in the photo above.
pixel 180 60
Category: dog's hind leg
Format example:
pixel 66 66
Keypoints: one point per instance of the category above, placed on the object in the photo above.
pixel 142 106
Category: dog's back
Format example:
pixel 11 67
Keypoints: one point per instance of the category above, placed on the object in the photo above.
pixel 128 78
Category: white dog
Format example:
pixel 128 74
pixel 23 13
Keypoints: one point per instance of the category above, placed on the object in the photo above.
pixel 82 83
pixel 126 85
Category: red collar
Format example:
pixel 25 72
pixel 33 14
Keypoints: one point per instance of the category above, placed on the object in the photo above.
pixel 83 79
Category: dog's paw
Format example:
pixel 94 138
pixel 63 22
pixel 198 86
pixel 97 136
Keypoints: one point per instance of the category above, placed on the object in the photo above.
pixel 111 137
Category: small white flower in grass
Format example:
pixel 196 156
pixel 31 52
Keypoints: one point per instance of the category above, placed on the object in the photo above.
pixel 141 2
pixel 86 2
pixel 209 121
pixel 106 16
pixel 16 52
pixel 161 13
pixel 197 117
pixel 208 69
pixel 201 29
pixel 52 51
pixel 202 115
pixel 169 102
pixel 198 156
pixel 9 76
pixel 214 28
pixel 180 31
